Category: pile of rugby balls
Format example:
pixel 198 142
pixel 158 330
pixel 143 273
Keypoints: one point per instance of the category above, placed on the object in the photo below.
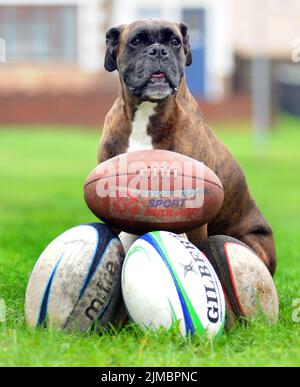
pixel 76 283
pixel 84 280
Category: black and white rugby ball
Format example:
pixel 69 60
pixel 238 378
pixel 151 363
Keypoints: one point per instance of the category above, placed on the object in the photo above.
pixel 75 283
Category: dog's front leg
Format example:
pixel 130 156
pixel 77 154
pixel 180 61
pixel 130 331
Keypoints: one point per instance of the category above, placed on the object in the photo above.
pixel 263 245
pixel 197 235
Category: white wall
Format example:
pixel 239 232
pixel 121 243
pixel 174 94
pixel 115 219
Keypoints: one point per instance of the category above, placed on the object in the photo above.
pixel 220 52
pixel 91 41
pixel 271 32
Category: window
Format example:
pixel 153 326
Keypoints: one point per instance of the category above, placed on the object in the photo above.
pixel 39 33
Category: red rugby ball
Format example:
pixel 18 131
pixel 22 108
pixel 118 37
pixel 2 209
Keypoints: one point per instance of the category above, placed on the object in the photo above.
pixel 151 190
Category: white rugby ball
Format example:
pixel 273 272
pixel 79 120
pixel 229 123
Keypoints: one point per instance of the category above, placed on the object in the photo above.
pixel 166 279
pixel 75 283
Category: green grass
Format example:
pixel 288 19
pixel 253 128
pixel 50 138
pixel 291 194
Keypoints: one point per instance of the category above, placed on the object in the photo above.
pixel 41 175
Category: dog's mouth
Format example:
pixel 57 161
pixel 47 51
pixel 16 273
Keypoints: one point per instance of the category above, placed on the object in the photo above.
pixel 158 77
pixel 157 87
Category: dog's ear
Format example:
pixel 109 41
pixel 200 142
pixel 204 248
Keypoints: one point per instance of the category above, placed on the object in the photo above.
pixel 112 43
pixel 186 43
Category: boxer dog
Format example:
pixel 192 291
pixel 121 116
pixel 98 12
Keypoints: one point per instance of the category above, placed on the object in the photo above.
pixel 155 109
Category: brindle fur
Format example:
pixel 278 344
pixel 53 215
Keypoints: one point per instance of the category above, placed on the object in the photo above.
pixel 179 126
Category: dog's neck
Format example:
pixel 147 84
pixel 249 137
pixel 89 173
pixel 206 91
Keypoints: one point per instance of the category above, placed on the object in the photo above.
pixel 151 123
pixel 140 138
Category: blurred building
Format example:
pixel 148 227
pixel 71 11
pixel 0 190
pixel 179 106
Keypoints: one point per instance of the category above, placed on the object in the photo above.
pixel 267 28
pixel 55 51
pixel 271 30
pixel 54 54
pixel 47 33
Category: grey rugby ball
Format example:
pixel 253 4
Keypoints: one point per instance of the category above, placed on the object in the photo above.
pixel 75 283
pixel 247 284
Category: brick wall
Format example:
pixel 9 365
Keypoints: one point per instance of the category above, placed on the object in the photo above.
pixel 66 95
pixel 90 109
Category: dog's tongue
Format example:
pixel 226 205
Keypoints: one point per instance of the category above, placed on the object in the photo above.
pixel 158 76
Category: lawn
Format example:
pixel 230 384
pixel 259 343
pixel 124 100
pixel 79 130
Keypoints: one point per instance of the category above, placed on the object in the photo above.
pixel 42 173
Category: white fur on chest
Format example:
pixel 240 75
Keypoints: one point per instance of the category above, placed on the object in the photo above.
pixel 139 139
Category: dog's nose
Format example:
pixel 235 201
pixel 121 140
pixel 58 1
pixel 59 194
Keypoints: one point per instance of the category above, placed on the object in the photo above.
pixel 157 51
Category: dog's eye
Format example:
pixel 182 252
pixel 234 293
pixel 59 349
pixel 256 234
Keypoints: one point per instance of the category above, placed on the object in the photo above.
pixel 175 42
pixel 136 41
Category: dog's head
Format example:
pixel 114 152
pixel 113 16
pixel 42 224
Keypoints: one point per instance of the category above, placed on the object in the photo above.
pixel 150 56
